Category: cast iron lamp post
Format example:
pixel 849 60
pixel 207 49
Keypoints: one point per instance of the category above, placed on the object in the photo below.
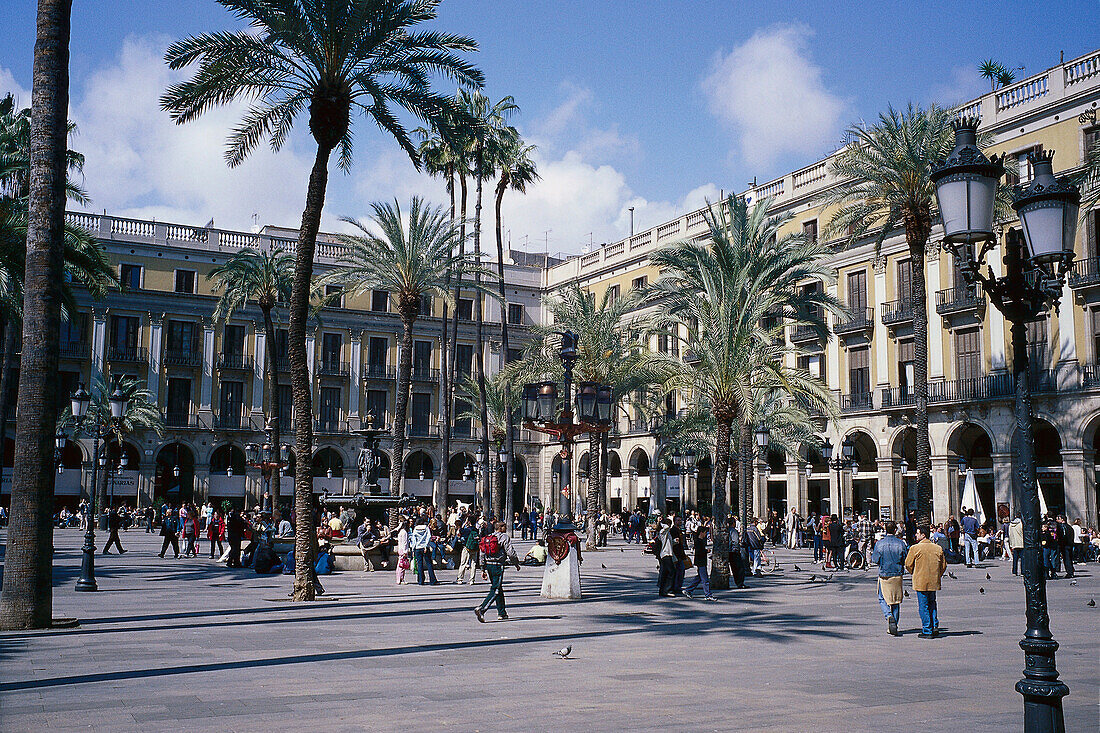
pixel 839 464
pixel 540 411
pixel 94 426
pixel 368 461
pixel 1035 271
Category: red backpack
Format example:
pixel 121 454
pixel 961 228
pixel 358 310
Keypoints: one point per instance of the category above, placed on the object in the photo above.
pixel 490 545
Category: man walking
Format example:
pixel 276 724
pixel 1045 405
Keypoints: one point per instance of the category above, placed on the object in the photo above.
pixel 970 537
pixel 1016 541
pixel 794 523
pixel 1065 544
pixel 113 522
pixel 666 559
pixel 168 532
pixel 927 565
pixel 702 578
pixel 865 532
pixel 889 555
pixel 497 550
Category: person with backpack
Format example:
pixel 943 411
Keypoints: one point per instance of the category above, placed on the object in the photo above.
pixel 168 532
pixel 496 549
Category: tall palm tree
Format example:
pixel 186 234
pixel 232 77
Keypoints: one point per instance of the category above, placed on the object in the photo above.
pixel 886 186
pixel 501 404
pixel 610 350
pixel 265 278
pixel 487 125
pixel 409 261
pixel 26 599
pixel 142 414
pixel 991 70
pixel 517 170
pixel 720 291
pixel 330 57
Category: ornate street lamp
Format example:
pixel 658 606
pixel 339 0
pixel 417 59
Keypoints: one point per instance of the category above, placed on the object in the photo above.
pixel 839 464
pixel 1036 264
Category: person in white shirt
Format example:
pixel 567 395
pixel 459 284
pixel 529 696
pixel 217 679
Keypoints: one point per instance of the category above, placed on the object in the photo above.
pixel 403 562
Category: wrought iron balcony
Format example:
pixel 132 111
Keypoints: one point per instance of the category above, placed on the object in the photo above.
pixel 181 420
pixel 985 387
pixel 1042 381
pixel 282 363
pixel 803 333
pixel 333 368
pixel 964 299
pixel 230 421
pixel 1085 273
pixel 379 371
pixel 175 357
pixel 897 312
pixel 237 362
pixel 421 431
pixel 128 354
pixel 856 402
pixel 330 427
pixel 425 375
pixel 1090 375
pixel 74 350
pixel 855 320
pixel 898 397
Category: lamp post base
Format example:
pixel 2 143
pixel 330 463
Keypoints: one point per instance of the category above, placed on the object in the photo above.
pixel 1041 688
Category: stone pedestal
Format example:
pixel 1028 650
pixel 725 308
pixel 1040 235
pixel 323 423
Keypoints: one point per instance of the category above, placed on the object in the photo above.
pixel 562 581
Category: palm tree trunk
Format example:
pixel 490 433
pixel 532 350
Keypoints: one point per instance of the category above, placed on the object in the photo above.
pixel 509 422
pixel 917 229
pixel 26 600
pixel 747 470
pixel 446 345
pixel 5 378
pixel 479 349
pixel 305 539
pixel 276 429
pixel 719 566
pixel 604 503
pixel 401 408
pixel 592 497
pixel 453 366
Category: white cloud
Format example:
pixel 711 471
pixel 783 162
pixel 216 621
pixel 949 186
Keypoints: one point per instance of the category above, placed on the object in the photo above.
pixel 566 128
pixel 961 85
pixel 8 85
pixel 773 97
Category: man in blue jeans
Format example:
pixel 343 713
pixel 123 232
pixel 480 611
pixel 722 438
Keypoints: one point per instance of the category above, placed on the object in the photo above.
pixel 496 554
pixel 889 555
pixel 970 537
pixel 927 564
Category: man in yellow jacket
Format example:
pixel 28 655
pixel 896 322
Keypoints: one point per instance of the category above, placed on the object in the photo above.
pixel 927 565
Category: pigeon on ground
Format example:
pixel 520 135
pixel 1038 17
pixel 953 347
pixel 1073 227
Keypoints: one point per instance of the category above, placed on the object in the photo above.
pixel 813 578
pixel 988 576
pixel 797 568
pixel 905 592
pixel 829 578
pixel 603 566
pixel 952 575
pixel 1091 603
pixel 564 653
pixel 981 590
pixel 1073 582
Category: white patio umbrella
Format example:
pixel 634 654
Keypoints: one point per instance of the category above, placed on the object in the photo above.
pixel 1043 511
pixel 970 496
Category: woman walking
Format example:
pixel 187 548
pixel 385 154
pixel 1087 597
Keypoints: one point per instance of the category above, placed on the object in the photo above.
pixel 215 532
pixel 402 551
pixel 700 537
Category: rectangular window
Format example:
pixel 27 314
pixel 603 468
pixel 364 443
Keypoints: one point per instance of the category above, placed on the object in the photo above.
pixel 814 364
pixel 185 281
pixel 670 404
pixel 183 338
pixel 376 355
pixel 232 403
pixel 515 313
pixel 379 301
pixel 1025 171
pixel 905 280
pixel 968 353
pixel 421 413
pixel 809 230
pixel 124 332
pixel 422 359
pixel 906 357
pixel 612 293
pixel 130 275
pixel 282 343
pixel 74 330
pixel 233 340
pixel 1092 233
pixel 639 283
pixel 330 409
pixel 332 346
pixel 859 374
pixel 286 406
pixel 464 365
pixel 1038 346
pixel 426 305
pixel 465 309
pixel 463 426
pixel 1095 319
pixel 179 401
pixel 513 355
pixel 376 406
pixel 334 296
pixel 857 292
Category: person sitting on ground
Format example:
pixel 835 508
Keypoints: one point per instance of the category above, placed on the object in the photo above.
pixel 536 555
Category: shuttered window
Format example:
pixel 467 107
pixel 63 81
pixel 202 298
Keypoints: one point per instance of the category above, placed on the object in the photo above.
pixel 857 291
pixel 968 353
pixel 859 371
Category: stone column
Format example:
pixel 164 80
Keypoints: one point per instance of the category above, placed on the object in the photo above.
pixel 1075 482
pixel 834 491
pixel 156 321
pixel 994 319
pixel 1002 480
pixel 796 487
pixel 889 480
pixel 945 493
pixel 201 484
pixel 206 387
pixel 1090 488
pixel 311 350
pixel 935 323
pixel 259 353
pixel 99 344
pixel 882 361
pixel 356 381
pixel 760 488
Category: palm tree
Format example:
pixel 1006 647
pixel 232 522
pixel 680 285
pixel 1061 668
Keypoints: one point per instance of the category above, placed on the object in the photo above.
pixel 721 291
pixel 266 278
pixel 512 160
pixel 501 404
pixel 409 262
pixel 991 69
pixel 142 414
pixel 330 57
pixel 1005 77
pixel 610 351
pixel 487 125
pixel 886 185
pixel 26 599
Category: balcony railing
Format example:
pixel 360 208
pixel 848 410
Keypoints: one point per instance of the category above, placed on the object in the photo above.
pixel 74 350
pixel 238 362
pixel 1042 381
pixel 333 368
pixel 462 432
pixel 895 312
pixel 985 387
pixel 181 420
pixel 856 402
pixel 128 354
pixel 379 371
pixel 1090 375
pixel 230 421
pixel 802 333
pixel 1085 273
pixel 425 375
pixel 421 431
pixel 183 357
pixel 898 397
pixel 959 300
pixel 282 363
pixel 330 427
pixel 855 320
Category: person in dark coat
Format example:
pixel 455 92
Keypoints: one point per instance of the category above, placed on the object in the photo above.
pixel 114 521
pixel 168 532
pixel 700 559
pixel 836 540
pixel 234 532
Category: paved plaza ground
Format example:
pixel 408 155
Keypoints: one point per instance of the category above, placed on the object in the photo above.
pixel 190 645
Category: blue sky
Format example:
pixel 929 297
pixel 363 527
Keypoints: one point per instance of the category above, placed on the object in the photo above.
pixel 655 105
